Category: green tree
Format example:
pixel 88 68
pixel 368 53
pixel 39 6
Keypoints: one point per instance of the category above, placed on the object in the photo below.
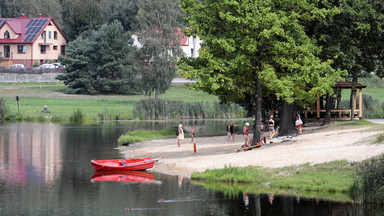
pixel 83 17
pixel 353 38
pixel 158 33
pixel 255 44
pixel 124 11
pixel 31 8
pixel 100 64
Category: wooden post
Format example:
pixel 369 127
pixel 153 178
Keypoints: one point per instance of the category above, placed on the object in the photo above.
pixel 360 103
pixel 318 107
pixel 354 104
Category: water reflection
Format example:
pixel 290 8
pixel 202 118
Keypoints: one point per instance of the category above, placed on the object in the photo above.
pixel 45 170
pixel 30 151
pixel 124 176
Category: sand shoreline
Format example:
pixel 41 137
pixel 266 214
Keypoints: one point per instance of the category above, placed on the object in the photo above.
pixel 316 145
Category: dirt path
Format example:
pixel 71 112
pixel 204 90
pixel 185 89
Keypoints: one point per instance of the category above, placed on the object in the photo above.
pixel 216 152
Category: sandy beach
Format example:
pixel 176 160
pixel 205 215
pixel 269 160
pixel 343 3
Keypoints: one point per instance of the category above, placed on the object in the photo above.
pixel 316 145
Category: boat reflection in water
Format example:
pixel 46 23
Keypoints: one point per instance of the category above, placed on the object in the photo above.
pixel 124 176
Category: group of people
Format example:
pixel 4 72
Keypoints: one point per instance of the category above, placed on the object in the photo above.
pixel 273 130
pixel 245 132
pixel 180 134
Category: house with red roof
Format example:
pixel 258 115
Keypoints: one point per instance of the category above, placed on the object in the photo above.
pixel 189 45
pixel 29 40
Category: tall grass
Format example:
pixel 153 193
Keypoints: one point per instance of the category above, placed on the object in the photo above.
pixel 165 109
pixel 369 180
pixel 77 117
pixel 3 108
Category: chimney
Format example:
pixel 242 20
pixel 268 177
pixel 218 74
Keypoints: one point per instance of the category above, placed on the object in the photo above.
pixel 23 16
pixel 40 16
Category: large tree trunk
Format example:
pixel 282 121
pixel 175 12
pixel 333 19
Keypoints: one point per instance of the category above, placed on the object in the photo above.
pixel 328 107
pixel 286 123
pixel 157 94
pixel 256 126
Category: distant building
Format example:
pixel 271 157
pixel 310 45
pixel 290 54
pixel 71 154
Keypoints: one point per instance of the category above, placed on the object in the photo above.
pixel 29 40
pixel 189 45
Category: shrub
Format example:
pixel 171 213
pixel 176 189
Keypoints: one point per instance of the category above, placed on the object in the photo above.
pixel 369 180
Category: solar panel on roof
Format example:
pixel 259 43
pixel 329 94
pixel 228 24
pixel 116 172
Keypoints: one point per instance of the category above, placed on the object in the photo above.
pixel 34 27
pixel 29 23
pixel 36 30
pixel 1 22
pixel 28 31
pixel 27 38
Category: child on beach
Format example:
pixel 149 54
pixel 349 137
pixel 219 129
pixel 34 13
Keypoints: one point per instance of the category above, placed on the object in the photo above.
pixel 192 133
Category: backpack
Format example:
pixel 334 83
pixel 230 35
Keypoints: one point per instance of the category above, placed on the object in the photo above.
pixel 177 132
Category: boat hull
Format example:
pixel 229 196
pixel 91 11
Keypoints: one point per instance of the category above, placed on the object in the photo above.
pixel 134 164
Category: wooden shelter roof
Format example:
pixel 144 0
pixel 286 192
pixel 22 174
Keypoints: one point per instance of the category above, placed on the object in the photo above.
pixel 348 85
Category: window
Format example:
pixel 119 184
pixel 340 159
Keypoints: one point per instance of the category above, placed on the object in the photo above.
pixel 43 49
pixel 7 51
pixel 6 35
pixel 43 35
pixel 21 49
pixel 55 35
pixel 54 47
pixel 49 35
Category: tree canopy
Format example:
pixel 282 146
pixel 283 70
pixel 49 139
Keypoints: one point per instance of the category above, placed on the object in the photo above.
pixel 158 33
pixel 101 63
pixel 353 37
pixel 253 44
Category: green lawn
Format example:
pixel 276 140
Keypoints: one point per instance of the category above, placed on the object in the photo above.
pixel 33 97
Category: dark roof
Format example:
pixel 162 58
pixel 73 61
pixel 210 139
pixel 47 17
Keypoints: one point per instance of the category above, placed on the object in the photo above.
pixel 348 85
pixel 28 29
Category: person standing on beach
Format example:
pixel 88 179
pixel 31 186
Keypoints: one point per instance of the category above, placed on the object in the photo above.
pixel 181 135
pixel 192 133
pixel 245 135
pixel 230 131
pixel 271 126
pixel 299 123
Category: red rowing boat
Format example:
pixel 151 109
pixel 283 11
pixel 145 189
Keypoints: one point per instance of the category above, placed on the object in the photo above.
pixel 123 164
pixel 123 176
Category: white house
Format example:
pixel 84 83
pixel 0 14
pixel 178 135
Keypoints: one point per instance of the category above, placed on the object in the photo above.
pixel 189 45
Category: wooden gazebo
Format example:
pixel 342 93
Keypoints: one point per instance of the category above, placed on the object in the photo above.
pixel 340 114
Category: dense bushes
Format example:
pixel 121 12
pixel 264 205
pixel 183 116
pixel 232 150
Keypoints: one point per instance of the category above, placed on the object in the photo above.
pixel 164 109
pixel 369 180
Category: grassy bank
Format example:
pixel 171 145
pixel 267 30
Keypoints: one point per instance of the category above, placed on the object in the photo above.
pixel 338 180
pixel 33 97
pixel 330 177
pixel 144 135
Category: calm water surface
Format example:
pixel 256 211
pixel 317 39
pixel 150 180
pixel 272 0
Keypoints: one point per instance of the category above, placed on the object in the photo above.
pixel 45 170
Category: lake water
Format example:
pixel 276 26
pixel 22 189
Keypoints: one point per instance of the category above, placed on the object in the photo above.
pixel 45 170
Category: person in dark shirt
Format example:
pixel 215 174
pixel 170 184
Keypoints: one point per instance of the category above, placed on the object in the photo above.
pixel 230 131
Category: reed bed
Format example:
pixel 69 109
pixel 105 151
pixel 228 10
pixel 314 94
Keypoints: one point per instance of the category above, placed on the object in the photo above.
pixel 369 180
pixel 151 109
